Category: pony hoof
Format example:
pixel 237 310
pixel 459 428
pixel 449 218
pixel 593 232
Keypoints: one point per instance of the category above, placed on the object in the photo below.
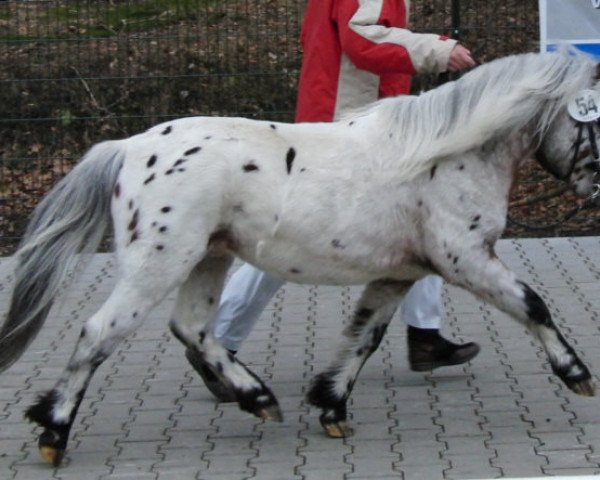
pixel 52 447
pixel 337 429
pixel 585 388
pixel 52 455
pixel 272 412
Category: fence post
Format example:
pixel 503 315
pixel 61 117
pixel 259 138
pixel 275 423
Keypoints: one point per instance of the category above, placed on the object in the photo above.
pixel 456 19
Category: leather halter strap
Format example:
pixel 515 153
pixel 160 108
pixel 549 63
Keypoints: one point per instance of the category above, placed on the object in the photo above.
pixel 589 126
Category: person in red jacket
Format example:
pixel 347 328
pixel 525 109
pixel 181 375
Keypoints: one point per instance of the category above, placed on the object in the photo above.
pixel 358 51
pixel 354 52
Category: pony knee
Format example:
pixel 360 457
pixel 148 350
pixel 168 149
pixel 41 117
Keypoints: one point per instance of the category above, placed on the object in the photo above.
pixel 536 309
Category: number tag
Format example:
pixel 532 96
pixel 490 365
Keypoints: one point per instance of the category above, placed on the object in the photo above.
pixel 585 107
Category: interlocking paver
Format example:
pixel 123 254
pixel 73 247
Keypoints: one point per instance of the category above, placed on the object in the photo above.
pixel 146 415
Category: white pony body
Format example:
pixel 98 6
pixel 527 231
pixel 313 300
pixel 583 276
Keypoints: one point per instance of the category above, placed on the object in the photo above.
pixel 270 215
pixel 406 187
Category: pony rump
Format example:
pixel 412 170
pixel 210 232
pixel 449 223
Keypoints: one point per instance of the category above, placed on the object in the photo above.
pixel 71 219
pixel 489 102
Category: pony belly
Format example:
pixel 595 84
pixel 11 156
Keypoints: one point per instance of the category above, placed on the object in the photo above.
pixel 297 265
pixel 313 270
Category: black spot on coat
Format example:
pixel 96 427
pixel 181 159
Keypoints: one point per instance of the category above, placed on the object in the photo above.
pixel 151 161
pixel 191 151
pixel 149 179
pixel 134 220
pixel 289 160
pixel 250 167
pixel 432 172
pixel 536 307
pixel 165 209
pixel 167 130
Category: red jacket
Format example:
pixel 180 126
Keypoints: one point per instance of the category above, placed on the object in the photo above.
pixel 357 51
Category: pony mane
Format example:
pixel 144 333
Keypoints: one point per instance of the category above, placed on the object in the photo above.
pixel 489 102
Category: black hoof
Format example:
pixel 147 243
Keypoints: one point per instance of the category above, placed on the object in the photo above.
pixel 52 446
pixel 581 383
pixel 333 421
pixel 53 440
pixel 585 388
pixel 260 402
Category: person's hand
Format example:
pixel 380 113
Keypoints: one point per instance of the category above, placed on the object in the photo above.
pixel 460 59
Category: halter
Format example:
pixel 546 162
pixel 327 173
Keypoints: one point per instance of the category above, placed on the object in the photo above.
pixel 584 109
pixel 589 201
pixel 589 126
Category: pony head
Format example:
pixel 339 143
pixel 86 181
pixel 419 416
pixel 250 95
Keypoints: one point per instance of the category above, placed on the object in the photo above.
pixel 570 148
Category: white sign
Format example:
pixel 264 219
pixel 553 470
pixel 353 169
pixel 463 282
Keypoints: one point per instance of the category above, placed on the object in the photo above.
pixel 585 107
pixel 573 22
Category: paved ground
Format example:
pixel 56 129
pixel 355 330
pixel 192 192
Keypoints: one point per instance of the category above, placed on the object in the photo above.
pixel 147 415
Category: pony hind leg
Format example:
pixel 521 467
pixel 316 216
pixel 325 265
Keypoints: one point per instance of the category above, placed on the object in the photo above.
pixel 485 276
pixel 123 312
pixel 330 389
pixel 191 323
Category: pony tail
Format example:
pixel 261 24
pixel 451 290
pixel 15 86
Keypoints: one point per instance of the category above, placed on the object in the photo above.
pixel 71 219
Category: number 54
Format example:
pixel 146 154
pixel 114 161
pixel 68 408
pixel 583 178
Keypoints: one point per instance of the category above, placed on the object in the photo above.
pixel 586 105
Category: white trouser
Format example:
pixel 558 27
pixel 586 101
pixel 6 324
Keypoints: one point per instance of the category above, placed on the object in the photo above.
pixel 249 291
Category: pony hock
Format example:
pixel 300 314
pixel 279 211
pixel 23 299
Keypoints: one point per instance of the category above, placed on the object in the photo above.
pixel 407 187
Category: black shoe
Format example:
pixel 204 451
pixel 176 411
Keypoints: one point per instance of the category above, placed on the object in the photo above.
pixel 428 350
pixel 219 389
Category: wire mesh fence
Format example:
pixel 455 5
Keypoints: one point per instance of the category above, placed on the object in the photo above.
pixel 74 73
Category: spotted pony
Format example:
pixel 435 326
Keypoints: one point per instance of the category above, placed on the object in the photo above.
pixel 407 187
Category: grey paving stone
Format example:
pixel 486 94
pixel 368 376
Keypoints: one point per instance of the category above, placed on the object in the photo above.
pixel 334 473
pixel 570 459
pixel 472 466
pixel 418 472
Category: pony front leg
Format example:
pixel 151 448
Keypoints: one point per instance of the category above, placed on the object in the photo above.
pixel 489 279
pixel 191 324
pixel 564 361
pixel 330 389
